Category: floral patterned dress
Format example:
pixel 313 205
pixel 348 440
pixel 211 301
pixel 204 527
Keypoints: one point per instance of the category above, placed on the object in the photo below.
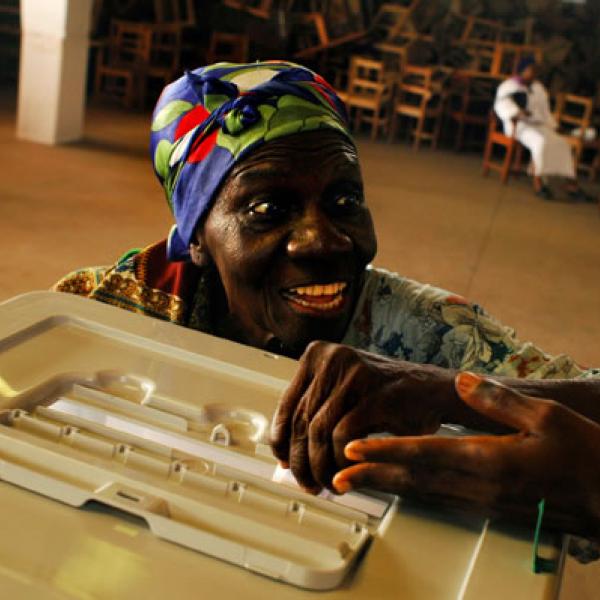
pixel 394 316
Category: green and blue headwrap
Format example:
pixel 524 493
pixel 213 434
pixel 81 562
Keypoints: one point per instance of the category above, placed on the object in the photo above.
pixel 211 118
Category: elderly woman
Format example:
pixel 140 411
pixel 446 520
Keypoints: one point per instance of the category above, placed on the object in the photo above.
pixel 271 248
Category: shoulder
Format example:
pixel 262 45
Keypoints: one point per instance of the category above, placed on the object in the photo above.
pixel 386 288
pixel 81 282
pixel 401 317
pixel 508 86
pixel 142 281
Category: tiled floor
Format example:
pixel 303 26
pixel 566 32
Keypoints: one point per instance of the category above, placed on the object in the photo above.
pixel 533 264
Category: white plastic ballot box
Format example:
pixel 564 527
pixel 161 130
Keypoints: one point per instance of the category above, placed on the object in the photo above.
pixel 134 463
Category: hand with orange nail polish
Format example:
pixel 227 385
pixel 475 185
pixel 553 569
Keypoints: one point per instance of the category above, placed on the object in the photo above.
pixel 554 453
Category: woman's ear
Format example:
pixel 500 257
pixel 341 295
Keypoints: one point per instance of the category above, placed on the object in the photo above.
pixel 198 253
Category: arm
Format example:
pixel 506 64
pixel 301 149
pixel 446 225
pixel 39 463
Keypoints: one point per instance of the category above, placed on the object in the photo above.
pixel 554 455
pixel 340 393
pixel 579 395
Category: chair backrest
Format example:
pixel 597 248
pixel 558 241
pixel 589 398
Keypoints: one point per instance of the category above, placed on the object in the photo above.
pixel 573 111
pixel 166 46
pixel 367 76
pixel 417 76
pixel 391 19
pixel 421 86
pixel 229 47
pixel 365 69
pixel 129 43
pixel 507 57
pixel 182 12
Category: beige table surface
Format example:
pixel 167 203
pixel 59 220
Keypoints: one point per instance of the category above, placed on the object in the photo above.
pixel 50 550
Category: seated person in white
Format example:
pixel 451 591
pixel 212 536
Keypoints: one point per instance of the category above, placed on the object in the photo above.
pixel 522 102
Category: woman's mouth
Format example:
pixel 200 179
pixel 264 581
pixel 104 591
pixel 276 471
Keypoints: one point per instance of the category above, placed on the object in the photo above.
pixel 322 299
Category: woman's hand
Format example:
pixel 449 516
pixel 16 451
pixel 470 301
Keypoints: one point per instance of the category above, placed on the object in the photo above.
pixel 340 394
pixel 555 454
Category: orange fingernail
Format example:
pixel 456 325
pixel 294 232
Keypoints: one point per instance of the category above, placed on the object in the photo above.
pixel 466 383
pixel 352 451
pixel 341 485
pixel 284 465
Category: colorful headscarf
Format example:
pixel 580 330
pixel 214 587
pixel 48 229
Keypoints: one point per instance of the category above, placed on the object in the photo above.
pixel 212 117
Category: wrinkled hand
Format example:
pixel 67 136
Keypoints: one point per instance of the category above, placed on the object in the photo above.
pixel 339 394
pixel 555 454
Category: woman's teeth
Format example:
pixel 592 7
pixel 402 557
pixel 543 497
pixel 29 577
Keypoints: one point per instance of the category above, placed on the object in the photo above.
pixel 318 297
pixel 329 289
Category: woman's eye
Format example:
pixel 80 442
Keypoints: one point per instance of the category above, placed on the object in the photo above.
pixel 266 210
pixel 348 202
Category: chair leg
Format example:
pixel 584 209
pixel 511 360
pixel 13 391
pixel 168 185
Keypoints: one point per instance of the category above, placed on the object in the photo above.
pixel 392 127
pixel 436 131
pixel 458 143
pixel 418 132
pixel 357 119
pixel 129 92
pixel 487 155
pixel 375 125
pixel 508 159
pixel 516 168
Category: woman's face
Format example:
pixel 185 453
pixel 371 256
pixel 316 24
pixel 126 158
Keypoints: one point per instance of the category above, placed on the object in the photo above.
pixel 290 236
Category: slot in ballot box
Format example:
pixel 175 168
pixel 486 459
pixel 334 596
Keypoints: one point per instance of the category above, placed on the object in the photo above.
pixel 134 462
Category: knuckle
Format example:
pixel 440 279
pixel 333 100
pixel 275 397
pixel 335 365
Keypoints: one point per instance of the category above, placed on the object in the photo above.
pixel 341 435
pixel 549 413
pixel 318 432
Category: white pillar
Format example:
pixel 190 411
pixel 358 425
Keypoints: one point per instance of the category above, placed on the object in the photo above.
pixel 52 72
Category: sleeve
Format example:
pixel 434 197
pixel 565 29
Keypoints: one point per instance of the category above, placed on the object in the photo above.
pixel 504 105
pixel 82 282
pixel 477 342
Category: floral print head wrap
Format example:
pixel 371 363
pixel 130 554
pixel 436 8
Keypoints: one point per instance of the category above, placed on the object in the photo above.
pixel 211 118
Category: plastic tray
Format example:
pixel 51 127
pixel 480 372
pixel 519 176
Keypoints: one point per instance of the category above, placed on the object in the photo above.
pixel 90 413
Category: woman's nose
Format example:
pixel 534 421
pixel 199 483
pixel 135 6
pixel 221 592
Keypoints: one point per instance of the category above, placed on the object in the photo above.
pixel 315 235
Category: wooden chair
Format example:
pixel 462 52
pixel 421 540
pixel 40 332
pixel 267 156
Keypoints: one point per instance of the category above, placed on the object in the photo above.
pixel 392 19
pixel 469 102
pixel 122 64
pixel 573 115
pixel 420 96
pixel 228 47
pixel 181 12
pixel 257 8
pixel 512 150
pixel 506 57
pixel 369 94
pixel 165 54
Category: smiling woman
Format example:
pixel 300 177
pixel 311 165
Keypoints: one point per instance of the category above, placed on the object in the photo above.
pixel 290 244
pixel 271 248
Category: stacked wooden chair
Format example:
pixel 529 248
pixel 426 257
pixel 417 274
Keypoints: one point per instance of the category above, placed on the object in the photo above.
pixel 420 97
pixel 573 115
pixel 369 94
pixel 122 62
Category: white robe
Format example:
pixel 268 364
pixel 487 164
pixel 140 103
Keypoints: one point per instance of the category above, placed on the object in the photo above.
pixel 550 152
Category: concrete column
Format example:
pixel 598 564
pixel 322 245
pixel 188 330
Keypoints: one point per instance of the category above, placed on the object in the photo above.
pixel 53 65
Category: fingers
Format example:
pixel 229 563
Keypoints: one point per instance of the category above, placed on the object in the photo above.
pixel 331 429
pixel 447 487
pixel 498 402
pixel 304 429
pixel 281 425
pixel 379 476
pixel 354 425
pixel 478 455
pixel 299 461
